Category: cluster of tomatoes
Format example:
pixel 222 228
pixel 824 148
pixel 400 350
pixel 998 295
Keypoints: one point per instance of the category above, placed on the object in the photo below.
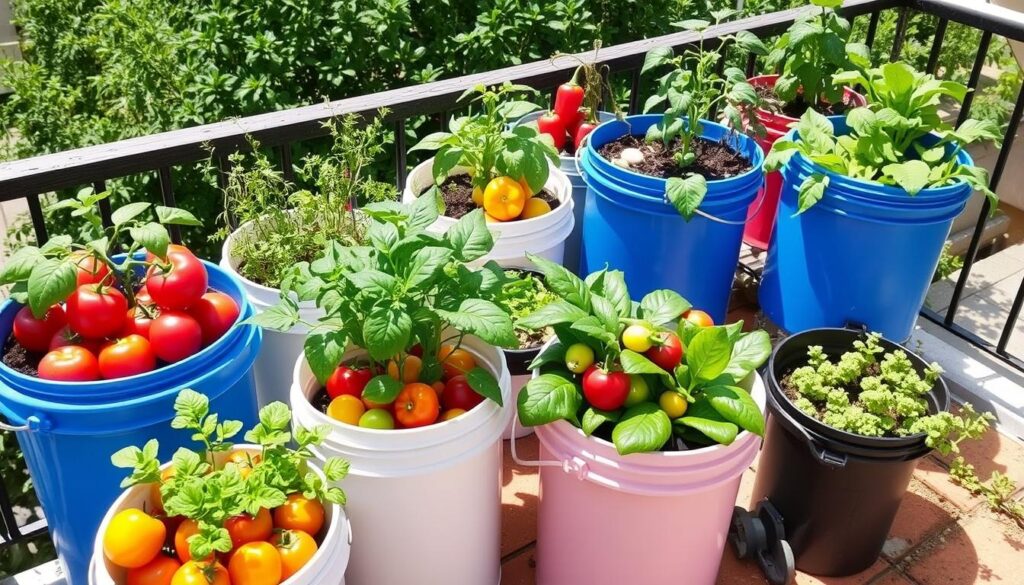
pixel 568 122
pixel 608 389
pixel 506 199
pixel 417 405
pixel 96 335
pixel 267 549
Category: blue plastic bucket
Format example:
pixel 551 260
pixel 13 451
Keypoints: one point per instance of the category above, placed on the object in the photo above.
pixel 864 254
pixel 74 427
pixel 628 225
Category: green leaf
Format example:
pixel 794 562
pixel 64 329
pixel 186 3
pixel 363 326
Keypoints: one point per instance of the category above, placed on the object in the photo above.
pixel 548 398
pixel 152 236
pixel 446 159
pixel 324 352
pixel 594 418
pixel 280 317
pixel 811 191
pixel 562 282
pixel 693 24
pixel 737 407
pixel 802 30
pixel 19 266
pixel 423 211
pixel 484 319
pixel 592 327
pixel 382 389
pixel 748 353
pixel 643 428
pixel 432 141
pixel 723 433
pixel 663 306
pixel 336 469
pixel 612 286
pixel 686 194
pixel 483 383
pixel 749 43
pixel 553 313
pixel 605 313
pixel 912 175
pixel 656 57
pixel 50 282
pixel 552 354
pixel 513 110
pixel 386 332
pixel 636 363
pixel 742 93
pixel 708 353
pixel 425 265
pixel 176 216
pixel 128 212
pixel 899 77
pixel 469 237
pixel 374 282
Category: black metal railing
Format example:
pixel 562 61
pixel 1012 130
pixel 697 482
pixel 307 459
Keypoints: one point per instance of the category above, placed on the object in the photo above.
pixel 161 153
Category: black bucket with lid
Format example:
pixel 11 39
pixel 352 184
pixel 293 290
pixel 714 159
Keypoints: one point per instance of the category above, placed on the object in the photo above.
pixel 837 492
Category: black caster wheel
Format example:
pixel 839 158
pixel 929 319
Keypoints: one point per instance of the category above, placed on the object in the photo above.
pixel 746 533
pixel 761 535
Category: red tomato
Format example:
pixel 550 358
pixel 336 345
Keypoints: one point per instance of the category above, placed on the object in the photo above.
pixel 35 334
pixel 605 390
pixel 90 270
pixel 95 312
pixel 458 394
pixel 245 528
pixel 667 351
pixel 69 364
pixel 175 335
pixel 181 285
pixel 346 380
pixel 584 129
pixel 170 248
pixel 138 320
pixel 65 337
pixel 553 125
pixel 698 318
pixel 142 296
pixel 417 406
pixel 159 571
pixel 127 356
pixel 216 313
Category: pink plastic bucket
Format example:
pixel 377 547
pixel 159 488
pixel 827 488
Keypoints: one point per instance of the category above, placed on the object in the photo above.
pixel 761 214
pixel 651 518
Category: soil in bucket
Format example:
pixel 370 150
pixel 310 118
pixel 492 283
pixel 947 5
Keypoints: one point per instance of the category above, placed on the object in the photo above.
pixel 715 159
pixel 457 194
pixel 796 108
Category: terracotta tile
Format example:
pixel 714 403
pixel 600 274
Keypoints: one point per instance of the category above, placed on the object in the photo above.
pixel 519 498
pixel 736 572
pixel 993 452
pixel 922 513
pixel 984 550
pixel 861 578
pixel 936 477
pixel 893 577
pixel 518 570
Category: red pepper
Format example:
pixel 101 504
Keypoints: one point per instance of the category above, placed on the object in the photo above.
pixel 568 100
pixel 581 132
pixel 551 124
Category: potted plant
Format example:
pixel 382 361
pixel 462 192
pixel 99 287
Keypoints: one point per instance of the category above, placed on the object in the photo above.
pixel 273 230
pixel 670 191
pixel 240 514
pixel 816 44
pixel 850 415
pixel 892 174
pixel 95 342
pixel 483 164
pixel 650 422
pixel 403 367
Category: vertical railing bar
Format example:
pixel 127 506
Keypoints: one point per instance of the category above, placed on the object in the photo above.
pixel 284 152
pixel 936 52
pixel 9 529
pixel 634 93
pixel 972 82
pixel 443 120
pixel 751 64
pixel 901 33
pixel 1011 319
pixel 167 194
pixel 105 211
pixel 35 211
pixel 400 160
pixel 872 28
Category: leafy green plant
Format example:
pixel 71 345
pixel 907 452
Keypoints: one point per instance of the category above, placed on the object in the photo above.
pixel 595 313
pixel 522 294
pixel 888 140
pixel 691 92
pixel 204 489
pixel 948 264
pixel 998 490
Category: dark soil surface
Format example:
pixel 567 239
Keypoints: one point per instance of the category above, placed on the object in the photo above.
pixel 457 193
pixel 20 359
pixel 798 107
pixel 715 160
pixel 321 400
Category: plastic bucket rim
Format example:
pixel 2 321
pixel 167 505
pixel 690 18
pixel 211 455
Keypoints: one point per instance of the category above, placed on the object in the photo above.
pixel 229 261
pixel 769 80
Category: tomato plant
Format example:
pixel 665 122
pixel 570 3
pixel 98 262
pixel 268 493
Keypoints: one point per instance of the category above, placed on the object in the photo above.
pixel 133 538
pixel 255 563
pixel 300 513
pixel 296 549
pixel 159 571
pixel 417 406
pixel 245 528
pixel 216 313
pixel 35 334
pixel 95 311
pixel 180 283
pixel 459 395
pixel 455 361
pixel 346 380
pixel 377 418
pixel 606 390
pixel 175 335
pixel 504 198
pixel 201 573
pixel 89 268
pixel 346 408
pixel 667 351
pixel 127 356
pixel 70 363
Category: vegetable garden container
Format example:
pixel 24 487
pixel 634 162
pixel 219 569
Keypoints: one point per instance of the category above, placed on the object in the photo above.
pixel 327 567
pixel 425 502
pixel 629 225
pixel 759 225
pixel 544 236
pixel 651 518
pixel 69 430
pixel 280 349
pixel 579 194
pixel 864 254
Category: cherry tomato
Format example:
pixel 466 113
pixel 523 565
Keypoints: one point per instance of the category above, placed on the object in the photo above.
pixel 255 563
pixel 604 389
pixel 346 380
pixel 244 461
pixel 579 357
pixel 346 408
pixel 667 351
pixel 159 571
pixel 672 403
pixel 139 319
pixel 88 268
pixel 35 334
pixel 70 363
pixel 179 286
pixel 296 549
pixel 194 573
pixel 377 418
pixel 133 538
pixel 698 318
pixel 65 337
pixel 637 338
pixel 459 394
pixel 185 531
pixel 245 528
pixel 216 313
pixel 411 367
pixel 452 413
pixel 582 132
pixel 504 198
pixel 150 257
pixel 94 311
pixel 175 335
pixel 639 391
pixel 300 513
pixel 455 361
pixel 417 406
pixel 127 356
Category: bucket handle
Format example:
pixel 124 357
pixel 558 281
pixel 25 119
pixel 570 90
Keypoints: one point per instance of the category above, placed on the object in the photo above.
pixel 348 521
pixel 12 428
pixel 823 455
pixel 567 465
pixel 760 204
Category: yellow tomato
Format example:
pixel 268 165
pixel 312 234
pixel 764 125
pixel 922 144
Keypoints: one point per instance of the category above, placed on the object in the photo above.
pixel 490 218
pixel 504 198
pixel 526 187
pixel 535 207
pixel 673 404
pixel 478 196
pixel 346 408
pixel 133 538
pixel 452 413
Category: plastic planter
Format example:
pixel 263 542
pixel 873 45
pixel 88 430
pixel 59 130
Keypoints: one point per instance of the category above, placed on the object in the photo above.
pixel 628 224
pixel 69 430
pixel 865 254
pixel 759 226
pixel 425 502
pixel 837 492
pixel 327 567
pixel 544 236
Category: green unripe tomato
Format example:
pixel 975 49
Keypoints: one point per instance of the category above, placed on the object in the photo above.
pixel 377 418
pixel 673 404
pixel 637 338
pixel 639 391
pixel 579 357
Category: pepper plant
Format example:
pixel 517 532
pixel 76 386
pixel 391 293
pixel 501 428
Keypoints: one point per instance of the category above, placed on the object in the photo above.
pixel 693 91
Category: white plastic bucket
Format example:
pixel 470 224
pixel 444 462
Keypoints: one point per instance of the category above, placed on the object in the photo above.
pixel 272 369
pixel 327 567
pixel 425 502
pixel 544 236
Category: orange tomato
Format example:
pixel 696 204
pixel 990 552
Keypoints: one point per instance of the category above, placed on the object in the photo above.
pixel 186 530
pixel 411 366
pixel 438 387
pixel 244 461
pixel 452 413
pixel 535 207
pixel 525 186
pixel 504 198
pixel 133 538
pixel 455 361
pixel 698 318
pixel 193 573
pixel 296 549
pixel 155 497
pixel 417 406
pixel 245 528
pixel 300 513
pixel 159 571
pixel 255 563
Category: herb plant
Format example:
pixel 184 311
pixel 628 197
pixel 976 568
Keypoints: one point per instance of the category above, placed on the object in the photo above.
pixel 888 140
pixel 693 91
pixel 523 294
pixel 698 400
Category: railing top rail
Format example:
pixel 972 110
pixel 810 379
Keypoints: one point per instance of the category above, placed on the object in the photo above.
pixel 978 14
pixel 81 166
